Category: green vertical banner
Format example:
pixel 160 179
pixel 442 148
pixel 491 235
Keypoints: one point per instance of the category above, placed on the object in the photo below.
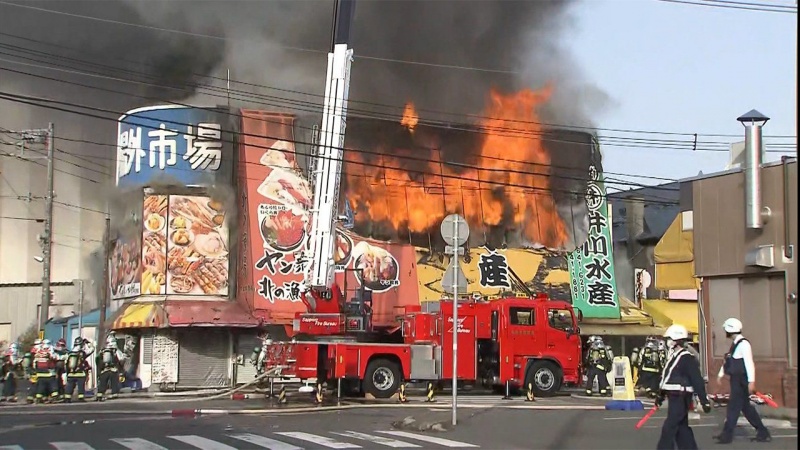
pixel 591 266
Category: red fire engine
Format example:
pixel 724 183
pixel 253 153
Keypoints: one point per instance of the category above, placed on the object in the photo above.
pixel 515 340
pixel 506 342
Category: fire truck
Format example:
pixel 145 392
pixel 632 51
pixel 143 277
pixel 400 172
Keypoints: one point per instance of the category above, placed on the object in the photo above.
pixel 509 342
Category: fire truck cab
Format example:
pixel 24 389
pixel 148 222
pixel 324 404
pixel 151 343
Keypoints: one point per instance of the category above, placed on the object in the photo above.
pixel 509 340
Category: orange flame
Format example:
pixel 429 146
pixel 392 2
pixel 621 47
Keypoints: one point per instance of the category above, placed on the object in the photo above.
pixel 507 183
pixel 410 117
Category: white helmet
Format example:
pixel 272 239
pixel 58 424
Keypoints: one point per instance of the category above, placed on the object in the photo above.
pixel 732 325
pixel 677 332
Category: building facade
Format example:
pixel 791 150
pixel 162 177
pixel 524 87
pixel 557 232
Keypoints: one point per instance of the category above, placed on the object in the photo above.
pixel 748 273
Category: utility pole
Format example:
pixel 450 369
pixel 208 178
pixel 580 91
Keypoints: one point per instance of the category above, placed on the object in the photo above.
pixel 47 237
pixel 101 323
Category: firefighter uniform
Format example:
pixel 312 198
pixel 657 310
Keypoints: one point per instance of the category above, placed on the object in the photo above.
pixel 740 368
pixel 8 373
pixel 109 363
pixel 60 353
pixel 598 365
pixel 44 366
pixel 635 366
pixel 680 382
pixel 77 369
pixel 650 367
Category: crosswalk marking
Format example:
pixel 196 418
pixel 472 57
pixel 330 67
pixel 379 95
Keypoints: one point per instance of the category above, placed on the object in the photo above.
pixel 265 442
pixel 201 442
pixel 377 439
pixel 138 444
pixel 71 446
pixel 319 440
pixel 11 447
pixel 431 439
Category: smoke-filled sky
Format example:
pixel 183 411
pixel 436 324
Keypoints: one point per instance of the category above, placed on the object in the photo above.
pixel 282 44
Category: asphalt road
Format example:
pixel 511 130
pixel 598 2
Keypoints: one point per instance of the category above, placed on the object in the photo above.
pixel 488 428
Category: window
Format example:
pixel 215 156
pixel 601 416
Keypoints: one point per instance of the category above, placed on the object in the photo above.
pixel 522 316
pixel 560 319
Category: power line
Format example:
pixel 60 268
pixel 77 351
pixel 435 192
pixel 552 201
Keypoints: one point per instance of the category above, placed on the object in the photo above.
pixel 34 102
pixel 746 6
pixel 224 92
pixel 642 143
pixel 21 218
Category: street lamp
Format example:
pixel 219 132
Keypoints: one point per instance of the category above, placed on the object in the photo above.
pixel 753 121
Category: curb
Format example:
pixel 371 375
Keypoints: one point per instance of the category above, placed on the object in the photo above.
pixel 770 423
pixel 200 412
pixel 645 401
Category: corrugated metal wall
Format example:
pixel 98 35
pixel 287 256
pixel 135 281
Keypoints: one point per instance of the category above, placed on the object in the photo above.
pixel 19 304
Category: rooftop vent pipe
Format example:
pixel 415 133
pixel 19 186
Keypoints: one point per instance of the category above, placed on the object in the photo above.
pixel 753 122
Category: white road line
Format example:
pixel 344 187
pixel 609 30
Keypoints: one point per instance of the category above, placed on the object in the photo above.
pixel 431 439
pixel 264 442
pixel 378 439
pixel 201 442
pixel 691 425
pixel 11 447
pixel 138 444
pixel 71 446
pixel 319 440
pixel 784 436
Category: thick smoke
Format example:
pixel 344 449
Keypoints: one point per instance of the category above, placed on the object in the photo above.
pixel 281 44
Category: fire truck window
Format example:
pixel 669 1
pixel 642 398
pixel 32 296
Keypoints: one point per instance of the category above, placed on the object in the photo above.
pixel 521 316
pixel 560 319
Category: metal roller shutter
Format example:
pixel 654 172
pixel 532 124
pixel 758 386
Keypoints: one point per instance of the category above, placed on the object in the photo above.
pixel 245 344
pixel 203 359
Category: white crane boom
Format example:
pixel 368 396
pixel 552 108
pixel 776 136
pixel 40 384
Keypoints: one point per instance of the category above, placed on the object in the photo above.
pixel 327 170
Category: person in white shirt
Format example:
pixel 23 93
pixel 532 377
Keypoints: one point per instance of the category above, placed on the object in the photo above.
pixel 741 370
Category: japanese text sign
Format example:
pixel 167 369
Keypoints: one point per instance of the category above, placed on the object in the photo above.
pixel 176 144
pixel 591 266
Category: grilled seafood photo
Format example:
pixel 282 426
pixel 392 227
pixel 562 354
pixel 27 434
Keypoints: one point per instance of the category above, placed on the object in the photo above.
pixel 378 268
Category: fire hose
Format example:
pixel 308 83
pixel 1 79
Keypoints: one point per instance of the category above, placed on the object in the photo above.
pixel 269 373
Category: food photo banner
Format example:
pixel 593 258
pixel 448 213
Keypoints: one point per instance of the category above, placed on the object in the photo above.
pixel 175 144
pixel 185 246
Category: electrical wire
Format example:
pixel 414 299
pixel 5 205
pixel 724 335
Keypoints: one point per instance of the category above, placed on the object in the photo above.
pixel 350 102
pixel 33 101
pixel 745 6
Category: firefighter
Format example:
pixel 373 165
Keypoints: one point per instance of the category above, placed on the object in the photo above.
pixel 650 368
pixel 662 352
pixel 60 351
pixel 8 373
pixel 741 369
pixel 598 364
pixel 44 366
pixel 680 382
pixel 77 368
pixel 635 366
pixel 109 362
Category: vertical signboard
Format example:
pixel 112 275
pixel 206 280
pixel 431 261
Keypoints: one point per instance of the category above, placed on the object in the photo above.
pixel 154 245
pixel 176 144
pixel 197 256
pixel 185 246
pixel 125 268
pixel 591 267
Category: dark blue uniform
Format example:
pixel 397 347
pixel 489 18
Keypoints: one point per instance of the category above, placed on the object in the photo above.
pixel 739 401
pixel 680 381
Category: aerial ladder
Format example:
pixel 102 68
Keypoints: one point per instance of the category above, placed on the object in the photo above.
pixel 320 294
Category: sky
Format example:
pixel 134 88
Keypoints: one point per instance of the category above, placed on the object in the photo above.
pixel 685 68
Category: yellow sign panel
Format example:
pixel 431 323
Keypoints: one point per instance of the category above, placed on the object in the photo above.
pixel 537 268
pixel 621 378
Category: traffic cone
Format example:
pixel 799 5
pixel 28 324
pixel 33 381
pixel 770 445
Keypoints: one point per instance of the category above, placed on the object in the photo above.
pixel 401 394
pixel 529 393
pixel 429 397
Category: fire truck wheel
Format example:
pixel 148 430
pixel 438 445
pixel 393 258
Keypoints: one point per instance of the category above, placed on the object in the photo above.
pixel 382 378
pixel 545 377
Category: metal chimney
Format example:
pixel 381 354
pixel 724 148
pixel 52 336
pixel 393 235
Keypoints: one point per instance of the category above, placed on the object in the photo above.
pixel 753 122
